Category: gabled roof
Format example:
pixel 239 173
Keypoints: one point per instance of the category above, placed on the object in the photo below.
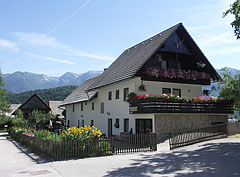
pixel 54 106
pixel 80 94
pixel 132 59
pixel 34 102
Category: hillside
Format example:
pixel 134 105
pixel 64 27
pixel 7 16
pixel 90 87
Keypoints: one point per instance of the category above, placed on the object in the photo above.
pixel 19 82
pixel 58 94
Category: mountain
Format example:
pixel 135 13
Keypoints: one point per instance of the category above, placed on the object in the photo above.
pixel 19 82
pixel 213 88
pixel 57 94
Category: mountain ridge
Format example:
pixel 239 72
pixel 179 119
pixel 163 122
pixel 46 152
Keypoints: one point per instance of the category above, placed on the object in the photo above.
pixel 19 82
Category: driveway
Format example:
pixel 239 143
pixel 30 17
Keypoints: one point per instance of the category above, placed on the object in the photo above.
pixel 218 158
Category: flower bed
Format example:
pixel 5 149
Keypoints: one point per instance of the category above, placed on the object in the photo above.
pixel 169 97
pixel 176 74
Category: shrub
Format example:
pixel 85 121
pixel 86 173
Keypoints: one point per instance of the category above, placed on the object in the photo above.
pixel 83 133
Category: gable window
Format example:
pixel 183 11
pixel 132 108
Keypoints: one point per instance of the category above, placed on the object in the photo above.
pixel 109 95
pixel 166 90
pixel 177 92
pixel 102 108
pixel 92 123
pixel 116 125
pixel 164 64
pixel 126 125
pixel 125 93
pixel 82 123
pixel 117 94
pixel 92 105
pixel 73 108
pixel 81 106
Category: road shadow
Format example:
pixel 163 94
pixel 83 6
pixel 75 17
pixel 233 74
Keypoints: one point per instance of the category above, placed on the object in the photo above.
pixel 37 158
pixel 211 159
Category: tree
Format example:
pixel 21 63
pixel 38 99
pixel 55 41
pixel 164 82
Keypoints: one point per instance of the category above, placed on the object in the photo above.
pixel 230 87
pixel 4 107
pixel 39 120
pixel 235 10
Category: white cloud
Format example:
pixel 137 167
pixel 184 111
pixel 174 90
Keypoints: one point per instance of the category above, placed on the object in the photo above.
pixel 38 39
pixel 8 44
pixel 51 58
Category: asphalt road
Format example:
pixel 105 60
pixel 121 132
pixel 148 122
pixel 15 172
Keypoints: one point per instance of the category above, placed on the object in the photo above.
pixel 217 158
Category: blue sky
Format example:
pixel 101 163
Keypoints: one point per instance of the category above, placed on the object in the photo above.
pixel 54 37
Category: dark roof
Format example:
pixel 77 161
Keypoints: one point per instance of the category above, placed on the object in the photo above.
pixel 34 102
pixel 132 59
pixel 80 95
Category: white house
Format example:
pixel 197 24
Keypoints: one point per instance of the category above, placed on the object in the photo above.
pixel 101 101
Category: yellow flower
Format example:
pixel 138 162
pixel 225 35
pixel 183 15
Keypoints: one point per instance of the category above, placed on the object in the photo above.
pixel 83 147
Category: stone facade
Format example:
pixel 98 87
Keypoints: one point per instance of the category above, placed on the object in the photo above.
pixel 233 128
pixel 166 123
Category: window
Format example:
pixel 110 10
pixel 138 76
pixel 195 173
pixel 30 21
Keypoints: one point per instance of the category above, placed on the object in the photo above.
pixel 177 92
pixel 92 123
pixel 116 125
pixel 102 108
pixel 178 65
pixel 81 106
pixel 166 90
pixel 92 105
pixel 78 123
pixel 125 93
pixel 82 123
pixel 109 95
pixel 68 123
pixel 126 125
pixel 73 108
pixel 85 103
pixel 163 64
pixel 117 94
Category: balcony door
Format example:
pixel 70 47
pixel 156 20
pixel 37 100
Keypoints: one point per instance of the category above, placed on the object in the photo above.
pixel 143 125
pixel 109 127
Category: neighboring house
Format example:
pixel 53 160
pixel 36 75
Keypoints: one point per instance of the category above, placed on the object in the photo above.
pixel 101 101
pixel 35 102
pixel 55 109
pixel 13 108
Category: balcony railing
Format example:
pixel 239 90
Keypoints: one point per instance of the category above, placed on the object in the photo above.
pixel 169 106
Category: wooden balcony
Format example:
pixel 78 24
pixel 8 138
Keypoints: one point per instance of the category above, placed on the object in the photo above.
pixel 170 106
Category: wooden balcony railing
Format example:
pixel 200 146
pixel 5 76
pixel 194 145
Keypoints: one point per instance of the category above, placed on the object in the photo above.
pixel 168 106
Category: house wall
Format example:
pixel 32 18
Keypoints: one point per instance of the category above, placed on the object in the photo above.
pixel 117 108
pixel 187 90
pixel 166 123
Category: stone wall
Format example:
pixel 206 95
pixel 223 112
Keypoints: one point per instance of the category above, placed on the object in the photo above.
pixel 166 123
pixel 233 128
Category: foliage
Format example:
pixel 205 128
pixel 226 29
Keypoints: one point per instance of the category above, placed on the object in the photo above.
pixel 59 93
pixel 4 107
pixel 19 122
pixel 230 87
pixel 39 120
pixel 47 135
pixel 235 10
pixel 82 134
